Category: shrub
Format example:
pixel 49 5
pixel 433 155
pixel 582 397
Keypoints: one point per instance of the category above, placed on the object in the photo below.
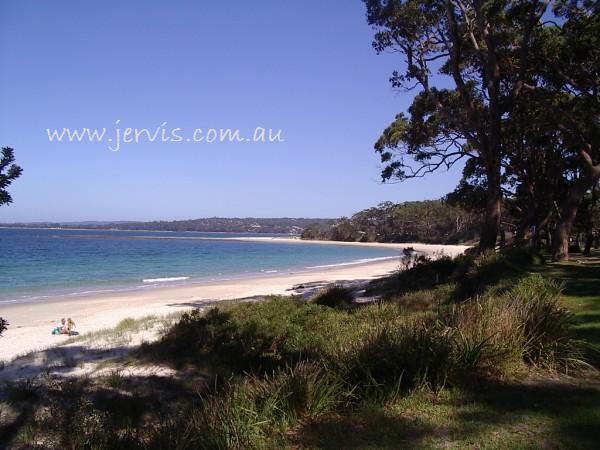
pixel 487 339
pixel 255 337
pixel 425 273
pixel 403 356
pixel 524 256
pixel 424 300
pixel 244 413
pixel 481 272
pixel 334 297
pixel 3 325
pixel 498 334
pixel 21 391
pixel 547 326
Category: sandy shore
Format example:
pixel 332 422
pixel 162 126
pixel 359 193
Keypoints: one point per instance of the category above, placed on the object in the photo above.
pixel 30 324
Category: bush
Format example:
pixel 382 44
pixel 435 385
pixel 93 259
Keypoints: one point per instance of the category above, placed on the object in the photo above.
pixel 424 300
pixel 244 413
pixel 547 326
pixel 424 274
pixel 527 324
pixel 334 297
pixel 486 338
pixel 524 256
pixel 255 337
pixel 3 325
pixel 404 356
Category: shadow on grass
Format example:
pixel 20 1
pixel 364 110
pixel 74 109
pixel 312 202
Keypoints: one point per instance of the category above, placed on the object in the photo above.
pixel 531 415
pixel 88 408
pixel 555 412
pixel 581 278
pixel 368 429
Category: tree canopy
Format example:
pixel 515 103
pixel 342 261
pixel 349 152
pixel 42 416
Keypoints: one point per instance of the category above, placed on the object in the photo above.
pixel 511 86
pixel 9 172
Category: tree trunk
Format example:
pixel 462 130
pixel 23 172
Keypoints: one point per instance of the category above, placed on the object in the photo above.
pixel 589 240
pixel 491 221
pixel 568 212
pixel 589 229
pixel 542 225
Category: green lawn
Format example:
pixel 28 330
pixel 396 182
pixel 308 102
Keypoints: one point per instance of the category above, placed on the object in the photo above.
pixel 581 278
pixel 559 412
pixel 522 415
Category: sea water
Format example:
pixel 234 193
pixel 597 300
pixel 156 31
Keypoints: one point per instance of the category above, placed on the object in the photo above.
pixel 41 263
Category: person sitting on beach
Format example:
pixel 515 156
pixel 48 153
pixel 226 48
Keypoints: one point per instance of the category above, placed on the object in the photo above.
pixel 67 327
pixel 70 326
pixel 58 329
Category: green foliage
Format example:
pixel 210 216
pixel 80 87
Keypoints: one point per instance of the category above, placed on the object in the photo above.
pixel 483 271
pixel 455 279
pixel 507 324
pixel 241 414
pixel 334 297
pixel 405 355
pixel 424 274
pixel 253 336
pixel 283 225
pixel 431 221
pixel 3 325
pixel 277 365
pixel 547 326
pixel 9 172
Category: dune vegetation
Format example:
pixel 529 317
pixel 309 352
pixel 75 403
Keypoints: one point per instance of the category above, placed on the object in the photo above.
pixel 454 352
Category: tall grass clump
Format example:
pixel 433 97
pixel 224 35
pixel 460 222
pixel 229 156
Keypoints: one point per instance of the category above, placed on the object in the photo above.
pixel 244 414
pixel 487 339
pixel 500 334
pixel 478 274
pixel 392 358
pixel 547 326
pixel 338 297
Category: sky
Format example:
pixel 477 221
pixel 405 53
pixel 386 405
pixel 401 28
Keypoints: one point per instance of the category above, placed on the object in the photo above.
pixel 304 68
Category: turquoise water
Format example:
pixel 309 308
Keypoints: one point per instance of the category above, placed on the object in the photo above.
pixel 37 263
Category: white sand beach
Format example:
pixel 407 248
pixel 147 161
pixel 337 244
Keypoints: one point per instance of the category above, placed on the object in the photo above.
pixel 31 323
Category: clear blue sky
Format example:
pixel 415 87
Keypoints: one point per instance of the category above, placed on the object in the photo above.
pixel 306 68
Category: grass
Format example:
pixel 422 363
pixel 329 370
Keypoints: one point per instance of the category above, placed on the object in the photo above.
pixel 581 280
pixel 478 359
pixel 505 416
pixel 121 334
pixel 334 297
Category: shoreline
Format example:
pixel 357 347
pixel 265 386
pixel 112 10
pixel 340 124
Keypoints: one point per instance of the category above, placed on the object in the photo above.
pixel 30 323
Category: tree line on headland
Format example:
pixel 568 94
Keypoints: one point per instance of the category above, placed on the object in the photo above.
pixel 430 221
pixel 283 225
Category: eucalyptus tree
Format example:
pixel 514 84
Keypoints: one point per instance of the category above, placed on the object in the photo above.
pixel 571 73
pixel 479 50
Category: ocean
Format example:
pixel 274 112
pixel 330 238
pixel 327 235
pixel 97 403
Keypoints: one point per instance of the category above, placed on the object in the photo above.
pixel 40 263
